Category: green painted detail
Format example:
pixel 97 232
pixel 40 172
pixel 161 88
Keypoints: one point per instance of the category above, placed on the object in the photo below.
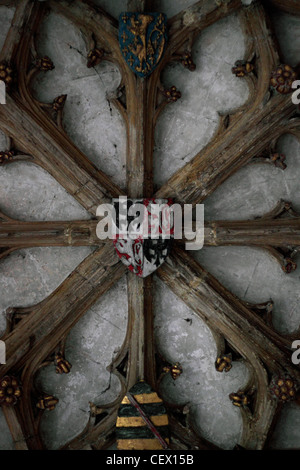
pixel 139 388
pixel 141 432
pixel 151 409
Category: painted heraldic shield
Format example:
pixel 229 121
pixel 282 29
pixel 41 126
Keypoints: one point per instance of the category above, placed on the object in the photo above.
pixel 144 249
pixel 142 422
pixel 143 39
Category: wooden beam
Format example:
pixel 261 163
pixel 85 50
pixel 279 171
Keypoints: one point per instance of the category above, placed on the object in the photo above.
pixel 40 331
pixel 23 12
pixel 249 133
pixel 264 350
pixel 140 5
pixel 15 427
pixel 89 17
pixel 259 232
pixel 28 234
pixel 141 105
pixel 53 150
pixel 217 162
pixel 224 312
pixel 199 16
pixel 288 6
pixel 189 23
pixel 32 129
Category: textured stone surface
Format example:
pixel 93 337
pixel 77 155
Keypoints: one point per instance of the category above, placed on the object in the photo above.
pixel 182 337
pixel 113 8
pixel 256 277
pixel 253 274
pixel 29 193
pixel 6 442
pixel 287 29
pixel 185 127
pixel 286 434
pixel 170 7
pixel 6 15
pixel 90 120
pixel 91 346
pixel 28 276
pixel 257 188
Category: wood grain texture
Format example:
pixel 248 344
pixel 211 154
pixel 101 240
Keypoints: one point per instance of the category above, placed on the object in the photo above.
pixel 242 135
pixel 289 6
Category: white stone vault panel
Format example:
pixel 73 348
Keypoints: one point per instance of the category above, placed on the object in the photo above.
pixel 6 442
pixel 172 7
pixel 113 8
pixel 6 15
pixel 29 193
pixel 169 7
pixel 250 273
pixel 286 433
pixel 254 276
pixel 89 118
pixel 228 92
pixel 28 276
pixel 183 337
pixel 287 29
pixel 257 188
pixel 91 346
pixel 184 128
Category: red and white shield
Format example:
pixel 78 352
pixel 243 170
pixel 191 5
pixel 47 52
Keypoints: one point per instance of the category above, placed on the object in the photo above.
pixel 143 244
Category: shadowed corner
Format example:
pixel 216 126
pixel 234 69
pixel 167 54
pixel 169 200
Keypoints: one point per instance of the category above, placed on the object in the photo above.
pixel 2 93
pixel 2 353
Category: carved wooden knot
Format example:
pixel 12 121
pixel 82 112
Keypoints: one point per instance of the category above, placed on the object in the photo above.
pixel 224 363
pixel 282 79
pixel 279 160
pixel 287 206
pixel 94 57
pixel 10 390
pixel 45 64
pixel 242 68
pixel 239 399
pixel 172 94
pixel 196 282
pixel 7 73
pixel 6 156
pixel 62 365
pixel 289 266
pixel 59 102
pixel 187 61
pixel 175 370
pixel 283 388
pixel 47 402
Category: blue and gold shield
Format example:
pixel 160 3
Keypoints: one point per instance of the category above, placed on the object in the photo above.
pixel 143 38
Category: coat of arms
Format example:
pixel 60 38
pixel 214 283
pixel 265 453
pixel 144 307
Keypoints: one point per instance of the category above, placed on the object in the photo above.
pixel 143 39
pixel 144 233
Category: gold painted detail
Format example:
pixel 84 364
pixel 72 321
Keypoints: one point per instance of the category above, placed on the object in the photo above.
pixel 143 398
pixel 142 48
pixel 140 444
pixel 137 421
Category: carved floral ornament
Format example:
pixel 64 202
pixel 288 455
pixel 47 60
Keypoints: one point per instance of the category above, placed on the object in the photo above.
pixel 243 331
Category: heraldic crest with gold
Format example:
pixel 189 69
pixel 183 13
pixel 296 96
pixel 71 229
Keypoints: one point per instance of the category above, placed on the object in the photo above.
pixel 143 38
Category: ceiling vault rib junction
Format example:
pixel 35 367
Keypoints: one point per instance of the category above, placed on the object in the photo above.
pixel 243 135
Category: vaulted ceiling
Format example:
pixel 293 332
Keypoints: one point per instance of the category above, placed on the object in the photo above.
pixel 80 128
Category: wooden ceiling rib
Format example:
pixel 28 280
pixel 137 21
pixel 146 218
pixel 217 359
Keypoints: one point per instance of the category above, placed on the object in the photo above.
pixel 246 133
